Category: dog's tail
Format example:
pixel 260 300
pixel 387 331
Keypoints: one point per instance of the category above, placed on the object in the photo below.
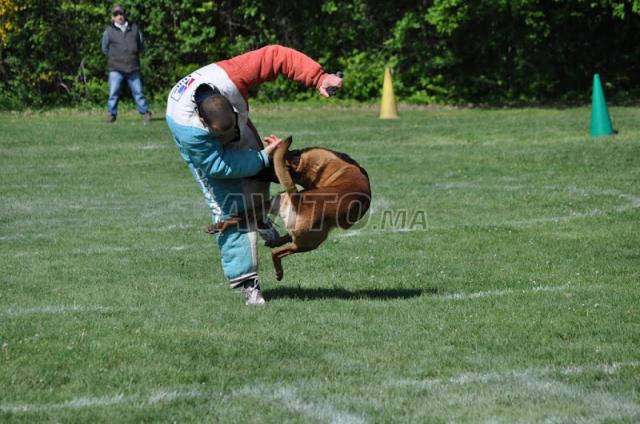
pixel 280 166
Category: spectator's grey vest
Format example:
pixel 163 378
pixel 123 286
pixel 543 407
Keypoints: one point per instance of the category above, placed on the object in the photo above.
pixel 124 48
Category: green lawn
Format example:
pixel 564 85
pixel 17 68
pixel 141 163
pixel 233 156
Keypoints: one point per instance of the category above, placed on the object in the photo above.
pixel 509 293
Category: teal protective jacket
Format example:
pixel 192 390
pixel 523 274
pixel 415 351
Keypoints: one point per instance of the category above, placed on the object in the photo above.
pixel 217 171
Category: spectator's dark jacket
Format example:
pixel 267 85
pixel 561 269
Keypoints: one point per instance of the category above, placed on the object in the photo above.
pixel 122 48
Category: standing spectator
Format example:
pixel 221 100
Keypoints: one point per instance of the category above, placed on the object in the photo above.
pixel 122 44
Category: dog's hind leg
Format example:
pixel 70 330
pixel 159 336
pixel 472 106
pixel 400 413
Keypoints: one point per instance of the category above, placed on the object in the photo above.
pixel 278 254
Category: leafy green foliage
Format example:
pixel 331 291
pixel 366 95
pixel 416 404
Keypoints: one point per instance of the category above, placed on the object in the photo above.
pixel 450 51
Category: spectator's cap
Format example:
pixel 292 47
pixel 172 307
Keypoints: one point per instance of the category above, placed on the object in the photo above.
pixel 117 9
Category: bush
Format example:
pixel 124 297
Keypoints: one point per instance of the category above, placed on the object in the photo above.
pixel 450 51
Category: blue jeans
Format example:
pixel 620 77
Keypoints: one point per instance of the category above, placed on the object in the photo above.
pixel 135 85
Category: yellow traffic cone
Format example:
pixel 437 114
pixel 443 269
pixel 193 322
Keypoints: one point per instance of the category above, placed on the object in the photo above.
pixel 388 108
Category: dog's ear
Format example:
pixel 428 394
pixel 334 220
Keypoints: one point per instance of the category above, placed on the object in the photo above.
pixel 288 141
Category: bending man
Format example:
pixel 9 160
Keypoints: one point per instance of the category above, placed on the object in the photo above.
pixel 207 112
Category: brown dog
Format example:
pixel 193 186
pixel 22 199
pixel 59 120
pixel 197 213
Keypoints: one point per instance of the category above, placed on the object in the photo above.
pixel 336 193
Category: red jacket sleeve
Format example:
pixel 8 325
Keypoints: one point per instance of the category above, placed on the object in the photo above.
pixel 265 64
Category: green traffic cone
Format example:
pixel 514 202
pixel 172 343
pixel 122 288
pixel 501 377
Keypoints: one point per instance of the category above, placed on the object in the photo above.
pixel 600 119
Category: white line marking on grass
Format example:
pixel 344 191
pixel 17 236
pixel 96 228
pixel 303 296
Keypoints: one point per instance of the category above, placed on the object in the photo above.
pixel 538 380
pixel 76 403
pixel 487 377
pixel 603 368
pixel 59 309
pixel 351 233
pixel 538 383
pixel 14 237
pixel 179 226
pixel 172 227
pixel 557 218
pixel 155 397
pixel 633 202
pixel 289 398
pixel 280 396
pixel 355 233
pixel 101 250
pixel 155 146
pixel 604 406
pixel 171 395
pixel 502 292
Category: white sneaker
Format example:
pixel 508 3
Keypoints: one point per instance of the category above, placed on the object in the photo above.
pixel 253 294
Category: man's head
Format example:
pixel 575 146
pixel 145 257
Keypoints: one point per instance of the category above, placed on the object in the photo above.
pixel 117 14
pixel 218 115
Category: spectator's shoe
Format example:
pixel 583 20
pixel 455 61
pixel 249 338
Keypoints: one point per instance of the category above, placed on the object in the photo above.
pixel 146 117
pixel 252 293
pixel 111 118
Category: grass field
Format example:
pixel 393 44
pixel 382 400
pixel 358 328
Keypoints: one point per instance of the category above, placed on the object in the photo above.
pixel 509 293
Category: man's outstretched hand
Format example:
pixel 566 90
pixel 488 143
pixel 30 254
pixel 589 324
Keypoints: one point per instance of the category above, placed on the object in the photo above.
pixel 330 80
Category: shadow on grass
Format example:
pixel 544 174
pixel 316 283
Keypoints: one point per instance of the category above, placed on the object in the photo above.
pixel 338 293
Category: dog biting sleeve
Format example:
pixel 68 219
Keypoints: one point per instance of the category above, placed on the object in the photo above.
pixel 265 64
